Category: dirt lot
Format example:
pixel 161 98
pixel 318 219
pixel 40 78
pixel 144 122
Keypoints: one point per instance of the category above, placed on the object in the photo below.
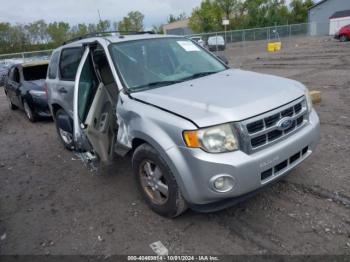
pixel 50 204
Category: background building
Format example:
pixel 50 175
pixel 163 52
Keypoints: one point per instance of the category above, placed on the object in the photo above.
pixel 178 28
pixel 338 20
pixel 319 15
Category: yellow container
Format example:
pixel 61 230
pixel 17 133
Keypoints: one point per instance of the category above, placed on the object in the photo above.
pixel 278 46
pixel 270 47
pixel 274 46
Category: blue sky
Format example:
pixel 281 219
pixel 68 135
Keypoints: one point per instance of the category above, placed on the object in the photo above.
pixel 78 11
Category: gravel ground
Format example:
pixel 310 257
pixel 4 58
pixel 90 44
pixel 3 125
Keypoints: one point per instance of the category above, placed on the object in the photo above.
pixel 50 204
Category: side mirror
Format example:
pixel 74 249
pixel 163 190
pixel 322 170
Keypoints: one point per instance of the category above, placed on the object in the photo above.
pixel 223 59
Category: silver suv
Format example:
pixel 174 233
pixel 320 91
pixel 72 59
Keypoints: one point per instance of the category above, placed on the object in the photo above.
pixel 203 135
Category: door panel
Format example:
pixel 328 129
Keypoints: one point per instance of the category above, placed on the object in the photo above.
pixel 100 124
pixel 13 84
pixel 94 110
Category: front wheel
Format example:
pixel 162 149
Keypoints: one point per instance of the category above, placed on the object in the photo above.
pixel 29 112
pixel 156 182
pixel 343 38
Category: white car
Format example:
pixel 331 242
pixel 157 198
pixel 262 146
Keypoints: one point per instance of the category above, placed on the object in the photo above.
pixel 199 40
pixel 216 43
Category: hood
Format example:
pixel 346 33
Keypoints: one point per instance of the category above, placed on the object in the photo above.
pixel 36 84
pixel 228 96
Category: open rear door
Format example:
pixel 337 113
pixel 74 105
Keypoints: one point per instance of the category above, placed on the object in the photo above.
pixel 94 107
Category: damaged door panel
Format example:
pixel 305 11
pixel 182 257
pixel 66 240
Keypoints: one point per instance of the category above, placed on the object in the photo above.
pixel 95 101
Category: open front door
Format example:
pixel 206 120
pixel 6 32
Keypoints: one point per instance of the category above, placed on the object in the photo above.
pixel 95 97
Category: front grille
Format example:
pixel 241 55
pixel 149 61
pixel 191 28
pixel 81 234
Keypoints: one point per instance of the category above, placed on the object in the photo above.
pixel 271 120
pixel 294 157
pixel 297 108
pixel 262 130
pixel 282 165
pixel 274 134
pixel 259 140
pixel 300 120
pixel 255 126
pixel 288 112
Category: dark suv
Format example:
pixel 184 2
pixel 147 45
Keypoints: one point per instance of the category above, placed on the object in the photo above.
pixel 24 87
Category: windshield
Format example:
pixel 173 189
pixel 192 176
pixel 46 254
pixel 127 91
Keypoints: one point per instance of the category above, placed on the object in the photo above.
pixel 150 63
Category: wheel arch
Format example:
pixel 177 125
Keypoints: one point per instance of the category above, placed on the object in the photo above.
pixel 54 108
pixel 142 138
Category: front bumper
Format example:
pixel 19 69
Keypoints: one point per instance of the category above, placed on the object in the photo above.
pixel 195 168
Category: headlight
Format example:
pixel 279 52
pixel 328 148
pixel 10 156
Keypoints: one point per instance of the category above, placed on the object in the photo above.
pixel 38 93
pixel 217 139
pixel 308 100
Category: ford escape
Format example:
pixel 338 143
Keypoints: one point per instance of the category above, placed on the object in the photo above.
pixel 203 135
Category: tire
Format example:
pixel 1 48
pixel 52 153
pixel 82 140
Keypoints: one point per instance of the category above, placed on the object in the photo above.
pixel 343 38
pixel 65 137
pixel 171 205
pixel 29 112
pixel 11 106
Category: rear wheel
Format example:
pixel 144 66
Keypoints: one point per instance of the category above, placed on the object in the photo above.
pixel 157 183
pixel 29 112
pixel 66 137
pixel 343 38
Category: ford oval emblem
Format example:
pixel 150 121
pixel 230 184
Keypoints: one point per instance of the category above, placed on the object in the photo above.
pixel 285 123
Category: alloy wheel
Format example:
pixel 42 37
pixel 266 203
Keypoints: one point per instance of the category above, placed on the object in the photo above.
pixel 28 111
pixel 153 182
pixel 66 136
pixel 343 38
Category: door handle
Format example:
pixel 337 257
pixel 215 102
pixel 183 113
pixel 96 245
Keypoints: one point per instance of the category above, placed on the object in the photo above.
pixel 62 90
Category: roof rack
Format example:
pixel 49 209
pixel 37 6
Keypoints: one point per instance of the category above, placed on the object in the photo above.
pixel 106 33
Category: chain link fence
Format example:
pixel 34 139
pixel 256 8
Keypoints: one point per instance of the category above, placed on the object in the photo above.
pixel 268 33
pixel 238 45
pixel 215 41
pixel 23 57
pixel 254 34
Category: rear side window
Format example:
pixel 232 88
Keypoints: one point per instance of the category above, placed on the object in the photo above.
pixel 14 74
pixel 69 62
pixel 52 72
pixel 37 72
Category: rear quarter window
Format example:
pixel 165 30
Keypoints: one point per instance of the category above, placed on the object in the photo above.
pixel 52 71
pixel 69 63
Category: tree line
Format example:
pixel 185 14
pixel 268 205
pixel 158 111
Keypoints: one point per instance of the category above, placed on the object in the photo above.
pixel 247 14
pixel 207 17
pixel 40 35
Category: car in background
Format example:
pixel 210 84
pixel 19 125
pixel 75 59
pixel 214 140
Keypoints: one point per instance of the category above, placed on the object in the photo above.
pixel 4 68
pixel 25 88
pixel 216 43
pixel 343 34
pixel 199 40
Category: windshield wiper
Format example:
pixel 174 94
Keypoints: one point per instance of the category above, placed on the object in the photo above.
pixel 171 82
pixel 156 84
pixel 201 74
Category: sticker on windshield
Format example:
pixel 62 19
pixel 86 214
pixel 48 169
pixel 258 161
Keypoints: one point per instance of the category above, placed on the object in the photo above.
pixel 188 46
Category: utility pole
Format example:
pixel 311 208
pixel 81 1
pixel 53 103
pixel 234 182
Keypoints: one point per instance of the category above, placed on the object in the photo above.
pixel 225 23
pixel 99 15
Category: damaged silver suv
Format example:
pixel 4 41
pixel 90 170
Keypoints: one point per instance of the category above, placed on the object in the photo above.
pixel 202 135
